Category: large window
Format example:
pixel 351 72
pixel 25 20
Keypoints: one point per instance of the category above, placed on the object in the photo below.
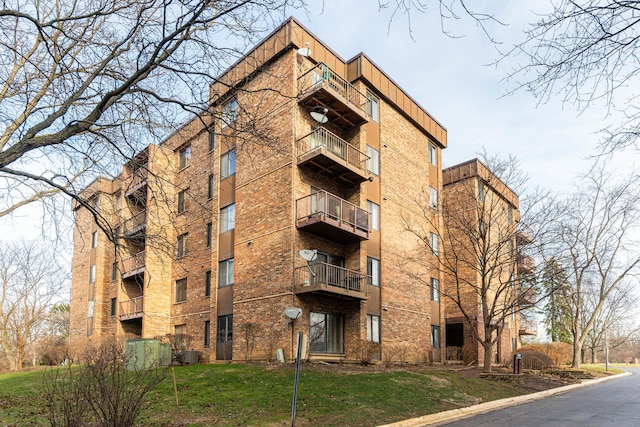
pixel 230 111
pixel 228 164
pixel 225 328
pixel 181 290
pixel 374 211
pixel 373 271
pixel 185 157
pixel 435 336
pixel 435 289
pixel 433 154
pixel 373 328
pixel 182 202
pixel 207 333
pixel 207 284
pixel 225 273
pixel 373 162
pixel 181 246
pixel 373 107
pixel 326 333
pixel 228 218
pixel 434 242
pixel 433 198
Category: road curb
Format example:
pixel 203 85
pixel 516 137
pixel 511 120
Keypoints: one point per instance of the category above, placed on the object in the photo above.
pixel 460 413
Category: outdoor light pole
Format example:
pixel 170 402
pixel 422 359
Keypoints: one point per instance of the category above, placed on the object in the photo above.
pixel 295 383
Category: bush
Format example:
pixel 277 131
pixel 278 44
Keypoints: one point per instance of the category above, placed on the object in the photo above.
pixel 560 352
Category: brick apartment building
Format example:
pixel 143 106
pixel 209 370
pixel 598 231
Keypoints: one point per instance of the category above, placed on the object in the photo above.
pixel 301 150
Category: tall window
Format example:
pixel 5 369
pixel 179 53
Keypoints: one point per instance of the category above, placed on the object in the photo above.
pixel 228 218
pixel 373 328
pixel 225 328
pixel 181 246
pixel 114 271
pixel 510 214
pixel 207 284
pixel 113 306
pixel 185 157
pixel 433 198
pixel 480 192
pixel 372 107
pixel 207 333
pixel 434 242
pixel 182 203
pixel 326 333
pixel 374 211
pixel 225 273
pixel 181 290
pixel 373 162
pixel 209 234
pixel 435 336
pixel 94 240
pixel 230 111
pixel 435 289
pixel 92 274
pixel 433 154
pixel 212 139
pixel 210 187
pixel 228 164
pixel 373 271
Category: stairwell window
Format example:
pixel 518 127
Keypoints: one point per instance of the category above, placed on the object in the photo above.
pixel 373 110
pixel 228 218
pixel 373 162
pixel 209 234
pixel 225 273
pixel 373 328
pixel 373 271
pixel 92 274
pixel 228 164
pixel 207 333
pixel 212 139
pixel 185 157
pixel 435 289
pixel 210 187
pixel 94 240
pixel 433 154
pixel 434 242
pixel 433 198
pixel 207 284
pixel 374 211
pixel 435 336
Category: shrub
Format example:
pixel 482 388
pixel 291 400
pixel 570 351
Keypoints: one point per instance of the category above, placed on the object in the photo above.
pixel 560 352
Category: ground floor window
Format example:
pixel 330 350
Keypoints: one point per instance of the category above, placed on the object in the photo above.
pixel 326 333
pixel 435 336
pixel 225 328
pixel 373 328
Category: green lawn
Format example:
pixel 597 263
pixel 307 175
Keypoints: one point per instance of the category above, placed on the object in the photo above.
pixel 250 395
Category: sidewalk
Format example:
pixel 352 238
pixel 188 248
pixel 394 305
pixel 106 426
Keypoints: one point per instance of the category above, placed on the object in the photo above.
pixel 458 414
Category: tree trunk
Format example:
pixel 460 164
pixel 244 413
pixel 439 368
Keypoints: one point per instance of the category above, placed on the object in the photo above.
pixel 577 354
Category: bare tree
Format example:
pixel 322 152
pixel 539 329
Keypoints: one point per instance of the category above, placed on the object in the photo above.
pixel 586 52
pixel 593 242
pixel 30 283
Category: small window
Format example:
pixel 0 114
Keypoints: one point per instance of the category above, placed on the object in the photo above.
pixel 373 328
pixel 209 234
pixel 181 290
pixel 185 157
pixel 374 211
pixel 433 198
pixel 207 333
pixel 113 306
pixel 225 328
pixel 435 289
pixel 225 273
pixel 372 107
pixel 207 284
pixel 433 154
pixel 434 243
pixel 114 271
pixel 92 274
pixel 180 330
pixel 212 139
pixel 210 187
pixel 481 192
pixel 181 246
pixel 373 271
pixel 228 218
pixel 373 162
pixel 182 203
pixel 435 336
pixel 230 111
pixel 91 308
pixel 228 164
pixel 94 240
pixel 510 214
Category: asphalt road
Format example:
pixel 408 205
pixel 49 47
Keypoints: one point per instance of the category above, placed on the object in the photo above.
pixel 611 403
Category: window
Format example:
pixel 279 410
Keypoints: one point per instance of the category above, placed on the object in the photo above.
pixel 185 157
pixel 225 328
pixel 180 330
pixel 373 328
pixel 182 204
pixel 114 271
pixel 94 240
pixel 181 290
pixel 181 246
pixel 230 111
pixel 91 308
pixel 207 284
pixel 210 187
pixel 372 107
pixel 209 234
pixel 228 218
pixel 434 243
pixel 481 192
pixel 207 333
pixel 374 211
pixel 433 198
pixel 212 139
pixel 225 273
pixel 373 162
pixel 119 201
pixel 326 333
pixel 228 164
pixel 435 289
pixel 510 214
pixel 92 274
pixel 435 336
pixel 113 306
pixel 433 154
pixel 373 271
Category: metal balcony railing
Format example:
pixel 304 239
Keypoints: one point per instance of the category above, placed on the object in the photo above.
pixel 132 309
pixel 322 75
pixel 135 224
pixel 322 138
pixel 331 278
pixel 528 327
pixel 133 265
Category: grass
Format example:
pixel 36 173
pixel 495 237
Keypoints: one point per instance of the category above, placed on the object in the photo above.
pixel 251 395
pixel 614 368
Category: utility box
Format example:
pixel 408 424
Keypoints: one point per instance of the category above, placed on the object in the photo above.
pixel 145 353
pixel 190 357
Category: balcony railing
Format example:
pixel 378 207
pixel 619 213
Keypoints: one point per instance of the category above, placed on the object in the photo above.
pixel 525 264
pixel 132 309
pixel 332 156
pixel 323 87
pixel 138 184
pixel 136 224
pixel 327 215
pixel 133 265
pixel 528 327
pixel 327 278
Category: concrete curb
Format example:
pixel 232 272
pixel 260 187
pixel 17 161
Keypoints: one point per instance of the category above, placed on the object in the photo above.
pixel 458 414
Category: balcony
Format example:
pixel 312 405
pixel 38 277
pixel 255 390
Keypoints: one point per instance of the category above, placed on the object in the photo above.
pixel 321 87
pixel 137 188
pixel 526 265
pixel 133 265
pixel 329 155
pixel 135 227
pixel 131 309
pixel 323 278
pixel 528 327
pixel 527 297
pixel 329 216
